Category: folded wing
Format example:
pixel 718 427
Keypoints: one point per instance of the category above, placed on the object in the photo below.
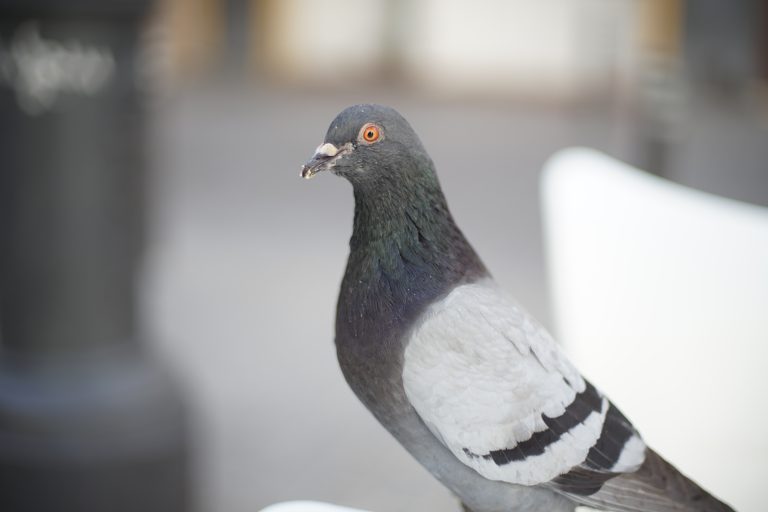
pixel 495 388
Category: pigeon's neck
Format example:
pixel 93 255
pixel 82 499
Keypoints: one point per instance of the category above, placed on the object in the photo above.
pixel 405 253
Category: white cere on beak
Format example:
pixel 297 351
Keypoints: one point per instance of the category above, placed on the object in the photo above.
pixel 326 149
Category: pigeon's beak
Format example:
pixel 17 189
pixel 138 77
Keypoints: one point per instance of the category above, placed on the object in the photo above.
pixel 323 159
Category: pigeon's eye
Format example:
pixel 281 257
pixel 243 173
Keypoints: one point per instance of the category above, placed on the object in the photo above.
pixel 370 133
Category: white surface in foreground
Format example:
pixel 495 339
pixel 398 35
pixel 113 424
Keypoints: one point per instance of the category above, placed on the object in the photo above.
pixel 308 506
pixel 660 295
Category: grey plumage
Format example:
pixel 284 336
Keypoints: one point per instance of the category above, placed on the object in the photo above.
pixel 455 369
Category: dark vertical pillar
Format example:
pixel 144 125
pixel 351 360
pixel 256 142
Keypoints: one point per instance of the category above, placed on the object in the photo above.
pixel 660 95
pixel 722 44
pixel 723 150
pixel 237 35
pixel 87 423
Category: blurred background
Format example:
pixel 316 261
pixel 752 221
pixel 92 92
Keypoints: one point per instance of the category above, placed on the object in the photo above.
pixel 240 261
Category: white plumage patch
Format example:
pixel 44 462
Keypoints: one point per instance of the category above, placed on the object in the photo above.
pixel 632 456
pixel 482 374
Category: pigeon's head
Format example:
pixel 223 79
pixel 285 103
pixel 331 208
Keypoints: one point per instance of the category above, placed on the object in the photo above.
pixel 370 145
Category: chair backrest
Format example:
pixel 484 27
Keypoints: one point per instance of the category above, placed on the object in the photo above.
pixel 660 296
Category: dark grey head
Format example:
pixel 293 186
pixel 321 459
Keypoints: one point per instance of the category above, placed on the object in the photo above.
pixel 371 145
pixel 405 249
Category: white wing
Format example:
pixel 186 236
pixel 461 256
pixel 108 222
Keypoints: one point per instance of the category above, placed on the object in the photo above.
pixel 495 388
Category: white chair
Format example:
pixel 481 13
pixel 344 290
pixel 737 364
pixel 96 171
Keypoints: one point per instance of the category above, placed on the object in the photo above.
pixel 660 296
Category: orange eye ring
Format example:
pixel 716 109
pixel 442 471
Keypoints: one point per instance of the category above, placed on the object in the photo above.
pixel 370 133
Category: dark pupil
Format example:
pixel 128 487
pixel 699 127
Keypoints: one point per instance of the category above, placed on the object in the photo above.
pixel 369 134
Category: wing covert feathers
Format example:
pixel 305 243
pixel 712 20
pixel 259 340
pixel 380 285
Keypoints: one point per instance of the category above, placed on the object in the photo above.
pixel 496 389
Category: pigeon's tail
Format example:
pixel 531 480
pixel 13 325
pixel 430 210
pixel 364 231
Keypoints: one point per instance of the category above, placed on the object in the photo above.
pixel 656 487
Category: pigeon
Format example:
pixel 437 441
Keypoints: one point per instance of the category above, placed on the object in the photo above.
pixel 454 367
